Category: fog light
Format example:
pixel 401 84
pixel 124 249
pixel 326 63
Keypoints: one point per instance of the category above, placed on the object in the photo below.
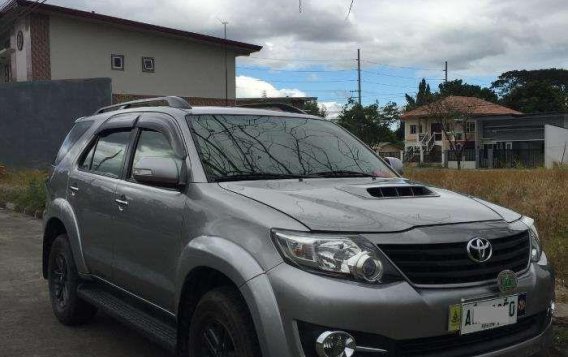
pixel 335 344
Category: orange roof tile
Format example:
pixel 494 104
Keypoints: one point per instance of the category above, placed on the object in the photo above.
pixel 472 105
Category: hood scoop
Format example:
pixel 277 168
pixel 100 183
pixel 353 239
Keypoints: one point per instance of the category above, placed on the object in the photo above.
pixel 389 191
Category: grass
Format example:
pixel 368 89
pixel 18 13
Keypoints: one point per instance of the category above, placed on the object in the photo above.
pixel 538 193
pixel 24 188
pixel 561 340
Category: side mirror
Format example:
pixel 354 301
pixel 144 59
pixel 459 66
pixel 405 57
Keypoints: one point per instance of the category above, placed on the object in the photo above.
pixel 396 164
pixel 158 171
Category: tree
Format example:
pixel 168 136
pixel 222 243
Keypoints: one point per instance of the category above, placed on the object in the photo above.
pixel 458 87
pixel 453 115
pixel 542 90
pixel 369 123
pixel 312 107
pixel 423 97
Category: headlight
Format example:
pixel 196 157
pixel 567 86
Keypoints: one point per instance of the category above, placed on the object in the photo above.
pixel 350 257
pixel 536 247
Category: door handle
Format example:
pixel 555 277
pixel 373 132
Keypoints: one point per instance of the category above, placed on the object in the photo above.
pixel 121 202
pixel 74 189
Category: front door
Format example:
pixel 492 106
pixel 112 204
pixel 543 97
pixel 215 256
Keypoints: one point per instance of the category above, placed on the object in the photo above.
pixel 91 186
pixel 436 130
pixel 149 221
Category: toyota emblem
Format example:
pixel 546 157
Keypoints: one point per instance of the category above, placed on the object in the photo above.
pixel 479 250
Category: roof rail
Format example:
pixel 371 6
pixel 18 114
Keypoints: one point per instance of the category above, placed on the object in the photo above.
pixel 173 101
pixel 274 105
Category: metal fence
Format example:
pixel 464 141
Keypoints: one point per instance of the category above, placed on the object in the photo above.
pixel 467 155
pixel 511 158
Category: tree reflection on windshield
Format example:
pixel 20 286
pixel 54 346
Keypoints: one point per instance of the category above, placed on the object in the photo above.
pixel 264 147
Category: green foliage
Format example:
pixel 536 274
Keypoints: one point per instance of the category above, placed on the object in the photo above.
pixel 24 188
pixel 312 107
pixel 458 87
pixel 424 96
pixel 372 123
pixel 542 90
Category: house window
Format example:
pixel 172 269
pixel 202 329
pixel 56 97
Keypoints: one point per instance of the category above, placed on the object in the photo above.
pixel 148 64
pixel 458 136
pixel 117 62
pixel 413 129
pixel 470 127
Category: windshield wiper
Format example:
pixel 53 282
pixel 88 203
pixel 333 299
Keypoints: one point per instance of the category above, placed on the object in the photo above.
pixel 340 173
pixel 256 176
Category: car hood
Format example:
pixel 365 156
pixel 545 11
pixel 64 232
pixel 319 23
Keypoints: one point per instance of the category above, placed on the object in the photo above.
pixel 344 205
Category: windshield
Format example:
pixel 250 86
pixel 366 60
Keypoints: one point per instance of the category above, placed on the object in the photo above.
pixel 241 147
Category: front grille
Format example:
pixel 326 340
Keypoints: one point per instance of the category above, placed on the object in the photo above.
pixel 449 263
pixel 451 345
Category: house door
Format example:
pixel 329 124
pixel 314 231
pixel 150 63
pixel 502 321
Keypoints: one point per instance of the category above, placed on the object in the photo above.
pixel 436 130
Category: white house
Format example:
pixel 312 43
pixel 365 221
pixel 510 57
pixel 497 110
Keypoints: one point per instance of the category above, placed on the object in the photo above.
pixel 46 42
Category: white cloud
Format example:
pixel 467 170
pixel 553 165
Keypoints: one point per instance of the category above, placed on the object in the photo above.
pixel 249 87
pixel 333 109
pixel 481 37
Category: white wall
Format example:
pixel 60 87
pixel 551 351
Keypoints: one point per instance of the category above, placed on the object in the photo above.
pixel 21 60
pixel 467 165
pixel 80 49
pixel 555 145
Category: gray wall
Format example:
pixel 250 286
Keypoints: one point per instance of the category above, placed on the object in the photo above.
pixel 36 116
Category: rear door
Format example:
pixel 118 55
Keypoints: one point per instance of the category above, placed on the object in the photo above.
pixel 91 187
pixel 150 219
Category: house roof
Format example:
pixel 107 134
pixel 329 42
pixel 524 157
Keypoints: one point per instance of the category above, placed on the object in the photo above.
pixel 474 106
pixel 245 48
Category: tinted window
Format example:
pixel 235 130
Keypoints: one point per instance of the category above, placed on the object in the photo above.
pixel 233 145
pixel 71 139
pixel 87 161
pixel 109 153
pixel 152 144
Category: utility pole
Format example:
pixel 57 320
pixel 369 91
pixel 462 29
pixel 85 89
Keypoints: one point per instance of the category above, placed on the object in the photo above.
pixel 359 74
pixel 446 72
pixel 226 66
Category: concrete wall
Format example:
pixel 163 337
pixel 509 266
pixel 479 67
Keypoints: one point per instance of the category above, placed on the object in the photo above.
pixel 36 116
pixel 555 146
pixel 82 49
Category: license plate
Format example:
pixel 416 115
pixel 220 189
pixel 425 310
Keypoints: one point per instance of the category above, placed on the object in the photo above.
pixel 487 314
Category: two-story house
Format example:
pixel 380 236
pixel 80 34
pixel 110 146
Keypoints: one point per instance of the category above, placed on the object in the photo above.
pixel 39 41
pixel 426 127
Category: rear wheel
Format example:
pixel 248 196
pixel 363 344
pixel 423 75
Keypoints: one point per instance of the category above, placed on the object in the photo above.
pixel 63 280
pixel 222 327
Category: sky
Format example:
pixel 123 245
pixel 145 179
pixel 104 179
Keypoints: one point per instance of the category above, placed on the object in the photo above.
pixel 312 52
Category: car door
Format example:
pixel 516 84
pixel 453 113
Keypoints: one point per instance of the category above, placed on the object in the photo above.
pixel 92 185
pixel 149 219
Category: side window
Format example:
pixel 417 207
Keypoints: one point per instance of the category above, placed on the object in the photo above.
pixel 71 139
pixel 87 160
pixel 152 144
pixel 106 157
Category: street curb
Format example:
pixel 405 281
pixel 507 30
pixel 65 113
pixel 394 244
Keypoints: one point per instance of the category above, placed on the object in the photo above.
pixel 11 206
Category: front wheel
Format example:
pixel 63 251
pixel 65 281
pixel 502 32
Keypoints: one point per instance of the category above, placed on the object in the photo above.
pixel 63 280
pixel 222 327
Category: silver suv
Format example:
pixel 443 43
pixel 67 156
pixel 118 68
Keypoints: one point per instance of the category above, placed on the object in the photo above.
pixel 249 232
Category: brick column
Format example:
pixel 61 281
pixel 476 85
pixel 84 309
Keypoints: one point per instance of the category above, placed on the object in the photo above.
pixel 39 30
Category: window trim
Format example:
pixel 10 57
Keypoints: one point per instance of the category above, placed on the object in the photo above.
pixel 112 66
pixel 153 60
pixel 413 128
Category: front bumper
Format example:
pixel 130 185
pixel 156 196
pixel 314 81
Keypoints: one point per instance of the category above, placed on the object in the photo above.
pixel 397 313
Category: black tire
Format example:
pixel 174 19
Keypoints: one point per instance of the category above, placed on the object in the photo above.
pixel 63 280
pixel 222 315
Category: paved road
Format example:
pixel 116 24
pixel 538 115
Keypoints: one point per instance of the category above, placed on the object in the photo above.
pixel 27 326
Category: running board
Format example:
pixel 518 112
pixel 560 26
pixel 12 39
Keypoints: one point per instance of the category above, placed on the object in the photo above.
pixel 130 314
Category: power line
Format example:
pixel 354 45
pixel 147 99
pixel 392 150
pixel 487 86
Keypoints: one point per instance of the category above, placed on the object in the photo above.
pixel 403 67
pixel 295 70
pixel 303 59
